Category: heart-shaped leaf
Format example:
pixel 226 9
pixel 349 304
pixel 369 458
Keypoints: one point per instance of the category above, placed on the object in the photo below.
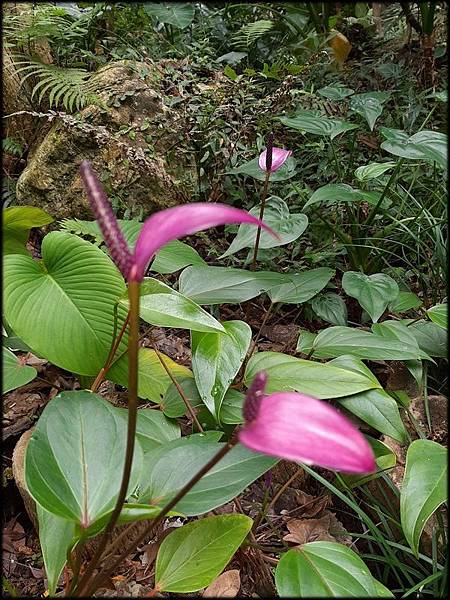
pixel 216 360
pixel 373 292
pixel 305 120
pixel 424 145
pixel 177 14
pixel 160 482
pixel 163 306
pixel 276 215
pixel 335 92
pixel 191 557
pixel 369 105
pixel 63 306
pixel 17 222
pixel 76 455
pixel 323 570
pixel 331 308
pixel 217 285
pixel 15 374
pixel 301 287
pixel 424 487
pixel 287 373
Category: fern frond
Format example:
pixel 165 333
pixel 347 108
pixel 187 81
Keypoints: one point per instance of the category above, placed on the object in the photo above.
pixel 66 86
pixel 249 34
pixel 12 146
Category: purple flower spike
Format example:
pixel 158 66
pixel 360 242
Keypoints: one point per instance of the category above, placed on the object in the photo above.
pixel 300 428
pixel 253 397
pixel 176 222
pixel 118 248
pixel 279 157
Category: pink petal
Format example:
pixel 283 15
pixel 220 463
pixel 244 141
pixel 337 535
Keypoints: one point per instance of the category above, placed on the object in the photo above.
pixel 176 222
pixel 297 427
pixel 279 157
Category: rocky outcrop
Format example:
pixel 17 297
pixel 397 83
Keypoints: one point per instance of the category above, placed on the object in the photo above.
pixel 119 134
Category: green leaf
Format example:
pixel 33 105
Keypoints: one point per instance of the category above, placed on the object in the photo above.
pixel 396 330
pixel 339 340
pixel 323 570
pixel 352 363
pixel 369 105
pixel 216 360
pixel 153 379
pixel 373 170
pixel 439 315
pixel 335 193
pixel 252 168
pixel 63 306
pixel 315 379
pixel 373 292
pixel 301 287
pixel 379 410
pixel 160 481
pixel 231 410
pixel 424 145
pixel 15 373
pixel 152 428
pixel 331 308
pixel 424 488
pixel 305 342
pixel 177 14
pixel 163 306
pixel 276 215
pixel 192 556
pixel 305 120
pixel 404 302
pixel 217 285
pixel 173 405
pixel 431 338
pixel 56 537
pixel 75 455
pixel 174 256
pixel 230 72
pixel 17 222
pixel 335 92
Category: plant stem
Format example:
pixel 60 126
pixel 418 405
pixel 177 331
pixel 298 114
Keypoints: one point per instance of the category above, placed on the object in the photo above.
pixel 261 215
pixel 374 210
pixel 179 389
pixel 114 345
pixel 258 335
pixel 133 340
pixel 96 582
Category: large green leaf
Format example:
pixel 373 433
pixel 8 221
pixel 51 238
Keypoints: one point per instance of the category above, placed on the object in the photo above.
pixel 192 556
pixel 373 170
pixel 323 570
pixel 339 340
pixel 335 193
pixel 252 168
pixel 431 338
pixel 153 379
pixel 15 373
pixel 404 302
pixel 63 306
pixel 217 285
pixel 373 292
pixel 152 428
pixel 160 481
pixel 56 537
pixel 352 363
pixel 76 455
pixel 17 222
pixel 439 315
pixel 319 380
pixel 337 91
pixel 177 14
pixel 379 410
pixel 216 360
pixel 309 121
pixel 300 287
pixel 163 306
pixel 369 105
pixel 331 308
pixel 174 256
pixel 276 215
pixel 424 487
pixel 424 145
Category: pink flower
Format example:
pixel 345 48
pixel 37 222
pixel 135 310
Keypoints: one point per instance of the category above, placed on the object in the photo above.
pixel 273 158
pixel 300 428
pixel 159 229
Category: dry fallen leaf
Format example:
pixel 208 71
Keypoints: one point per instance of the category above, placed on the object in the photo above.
pixel 325 529
pixel 225 586
pixel 310 505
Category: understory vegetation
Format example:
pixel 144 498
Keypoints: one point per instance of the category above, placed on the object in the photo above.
pixel 200 416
